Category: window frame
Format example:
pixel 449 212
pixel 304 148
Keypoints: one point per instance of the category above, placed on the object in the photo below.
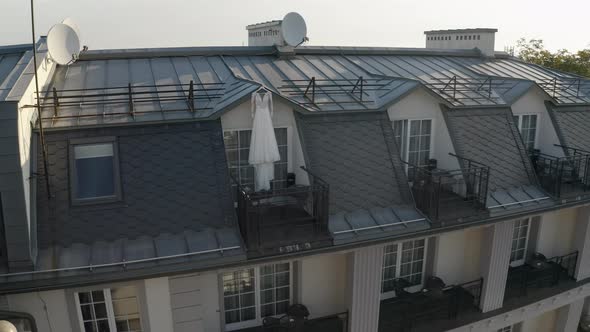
pixel 73 172
pixel 399 244
pixel 519 127
pixel 521 261
pixel 257 321
pixel 405 139
pixel 289 145
pixel 109 305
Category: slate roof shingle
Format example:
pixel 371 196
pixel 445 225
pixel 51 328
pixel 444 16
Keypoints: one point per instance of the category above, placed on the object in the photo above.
pixel 490 137
pixel 173 178
pixel 572 125
pixel 357 155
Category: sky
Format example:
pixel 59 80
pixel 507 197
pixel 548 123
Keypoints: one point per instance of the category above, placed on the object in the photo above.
pixel 392 23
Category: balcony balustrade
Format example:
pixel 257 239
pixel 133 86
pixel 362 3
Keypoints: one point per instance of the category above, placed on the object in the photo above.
pixel 563 176
pixel 284 219
pixel 450 194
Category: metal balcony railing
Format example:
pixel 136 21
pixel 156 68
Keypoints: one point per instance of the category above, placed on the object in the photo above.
pixel 282 217
pixel 450 194
pixel 409 310
pixel 541 273
pixel 562 176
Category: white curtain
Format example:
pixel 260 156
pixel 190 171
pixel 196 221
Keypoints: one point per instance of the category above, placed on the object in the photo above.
pixel 263 144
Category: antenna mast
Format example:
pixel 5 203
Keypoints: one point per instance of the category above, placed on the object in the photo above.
pixel 41 134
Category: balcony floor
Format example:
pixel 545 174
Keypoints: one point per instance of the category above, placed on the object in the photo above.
pixel 435 312
pixel 289 225
pixel 453 208
pixel 324 324
pixel 514 288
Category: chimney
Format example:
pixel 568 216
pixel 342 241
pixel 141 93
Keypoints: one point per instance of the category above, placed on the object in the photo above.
pixel 265 34
pixel 482 39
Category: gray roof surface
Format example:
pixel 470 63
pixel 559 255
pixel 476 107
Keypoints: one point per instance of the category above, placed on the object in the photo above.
pixel 13 60
pixel 490 137
pixel 517 199
pixel 328 70
pixel 439 74
pixel 377 222
pixel 572 125
pixel 173 178
pixel 357 156
pixel 147 75
pixel 563 87
pixel 389 74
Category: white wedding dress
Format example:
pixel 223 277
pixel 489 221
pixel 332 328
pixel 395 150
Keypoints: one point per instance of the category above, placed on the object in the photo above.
pixel 263 144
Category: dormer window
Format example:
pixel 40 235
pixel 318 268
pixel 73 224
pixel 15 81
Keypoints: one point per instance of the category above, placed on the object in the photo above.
pixel 94 171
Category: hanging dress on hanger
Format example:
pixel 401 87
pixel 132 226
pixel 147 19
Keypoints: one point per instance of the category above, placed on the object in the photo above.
pixel 264 151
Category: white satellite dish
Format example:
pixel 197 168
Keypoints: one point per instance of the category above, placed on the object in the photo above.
pixel 63 42
pixel 70 21
pixel 294 29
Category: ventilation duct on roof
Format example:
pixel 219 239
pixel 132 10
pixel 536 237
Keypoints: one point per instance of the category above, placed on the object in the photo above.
pixel 289 32
pixel 482 39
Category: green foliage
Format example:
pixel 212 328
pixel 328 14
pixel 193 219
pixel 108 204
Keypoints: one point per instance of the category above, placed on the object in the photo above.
pixel 534 51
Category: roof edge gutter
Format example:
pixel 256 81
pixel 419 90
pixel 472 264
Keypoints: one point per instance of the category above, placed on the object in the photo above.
pixel 175 52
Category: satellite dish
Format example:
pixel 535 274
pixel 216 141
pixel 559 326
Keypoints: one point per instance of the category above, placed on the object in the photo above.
pixel 294 29
pixel 70 21
pixel 6 326
pixel 63 42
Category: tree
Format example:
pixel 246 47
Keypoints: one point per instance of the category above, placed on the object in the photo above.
pixel 534 51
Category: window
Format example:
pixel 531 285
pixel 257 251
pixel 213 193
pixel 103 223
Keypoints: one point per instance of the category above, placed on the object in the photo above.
pixel 413 137
pixel 403 260
pixel 237 149
pixel 527 125
pixel 506 329
pixel 252 294
pixel 109 310
pixel 520 238
pixel 94 171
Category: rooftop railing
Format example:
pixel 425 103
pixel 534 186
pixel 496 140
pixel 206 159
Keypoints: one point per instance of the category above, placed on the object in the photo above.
pixel 284 219
pixel 450 194
pixel 562 176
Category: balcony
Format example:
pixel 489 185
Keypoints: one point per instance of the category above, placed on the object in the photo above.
pixel 563 176
pixel 435 305
pixel 446 195
pixel 287 323
pixel 539 273
pixel 284 220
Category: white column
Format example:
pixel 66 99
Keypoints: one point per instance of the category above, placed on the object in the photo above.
pixel 568 317
pixel 497 242
pixel 365 288
pixel 157 296
pixel 582 243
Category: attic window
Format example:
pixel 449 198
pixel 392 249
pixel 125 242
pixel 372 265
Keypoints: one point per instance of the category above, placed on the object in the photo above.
pixel 94 171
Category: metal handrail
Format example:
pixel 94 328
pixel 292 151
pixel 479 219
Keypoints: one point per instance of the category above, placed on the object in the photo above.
pixel 314 176
pixel 556 173
pixel 122 263
pixel 428 186
pixel 471 161
pixel 574 149
pixel 443 172
pixel 252 208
